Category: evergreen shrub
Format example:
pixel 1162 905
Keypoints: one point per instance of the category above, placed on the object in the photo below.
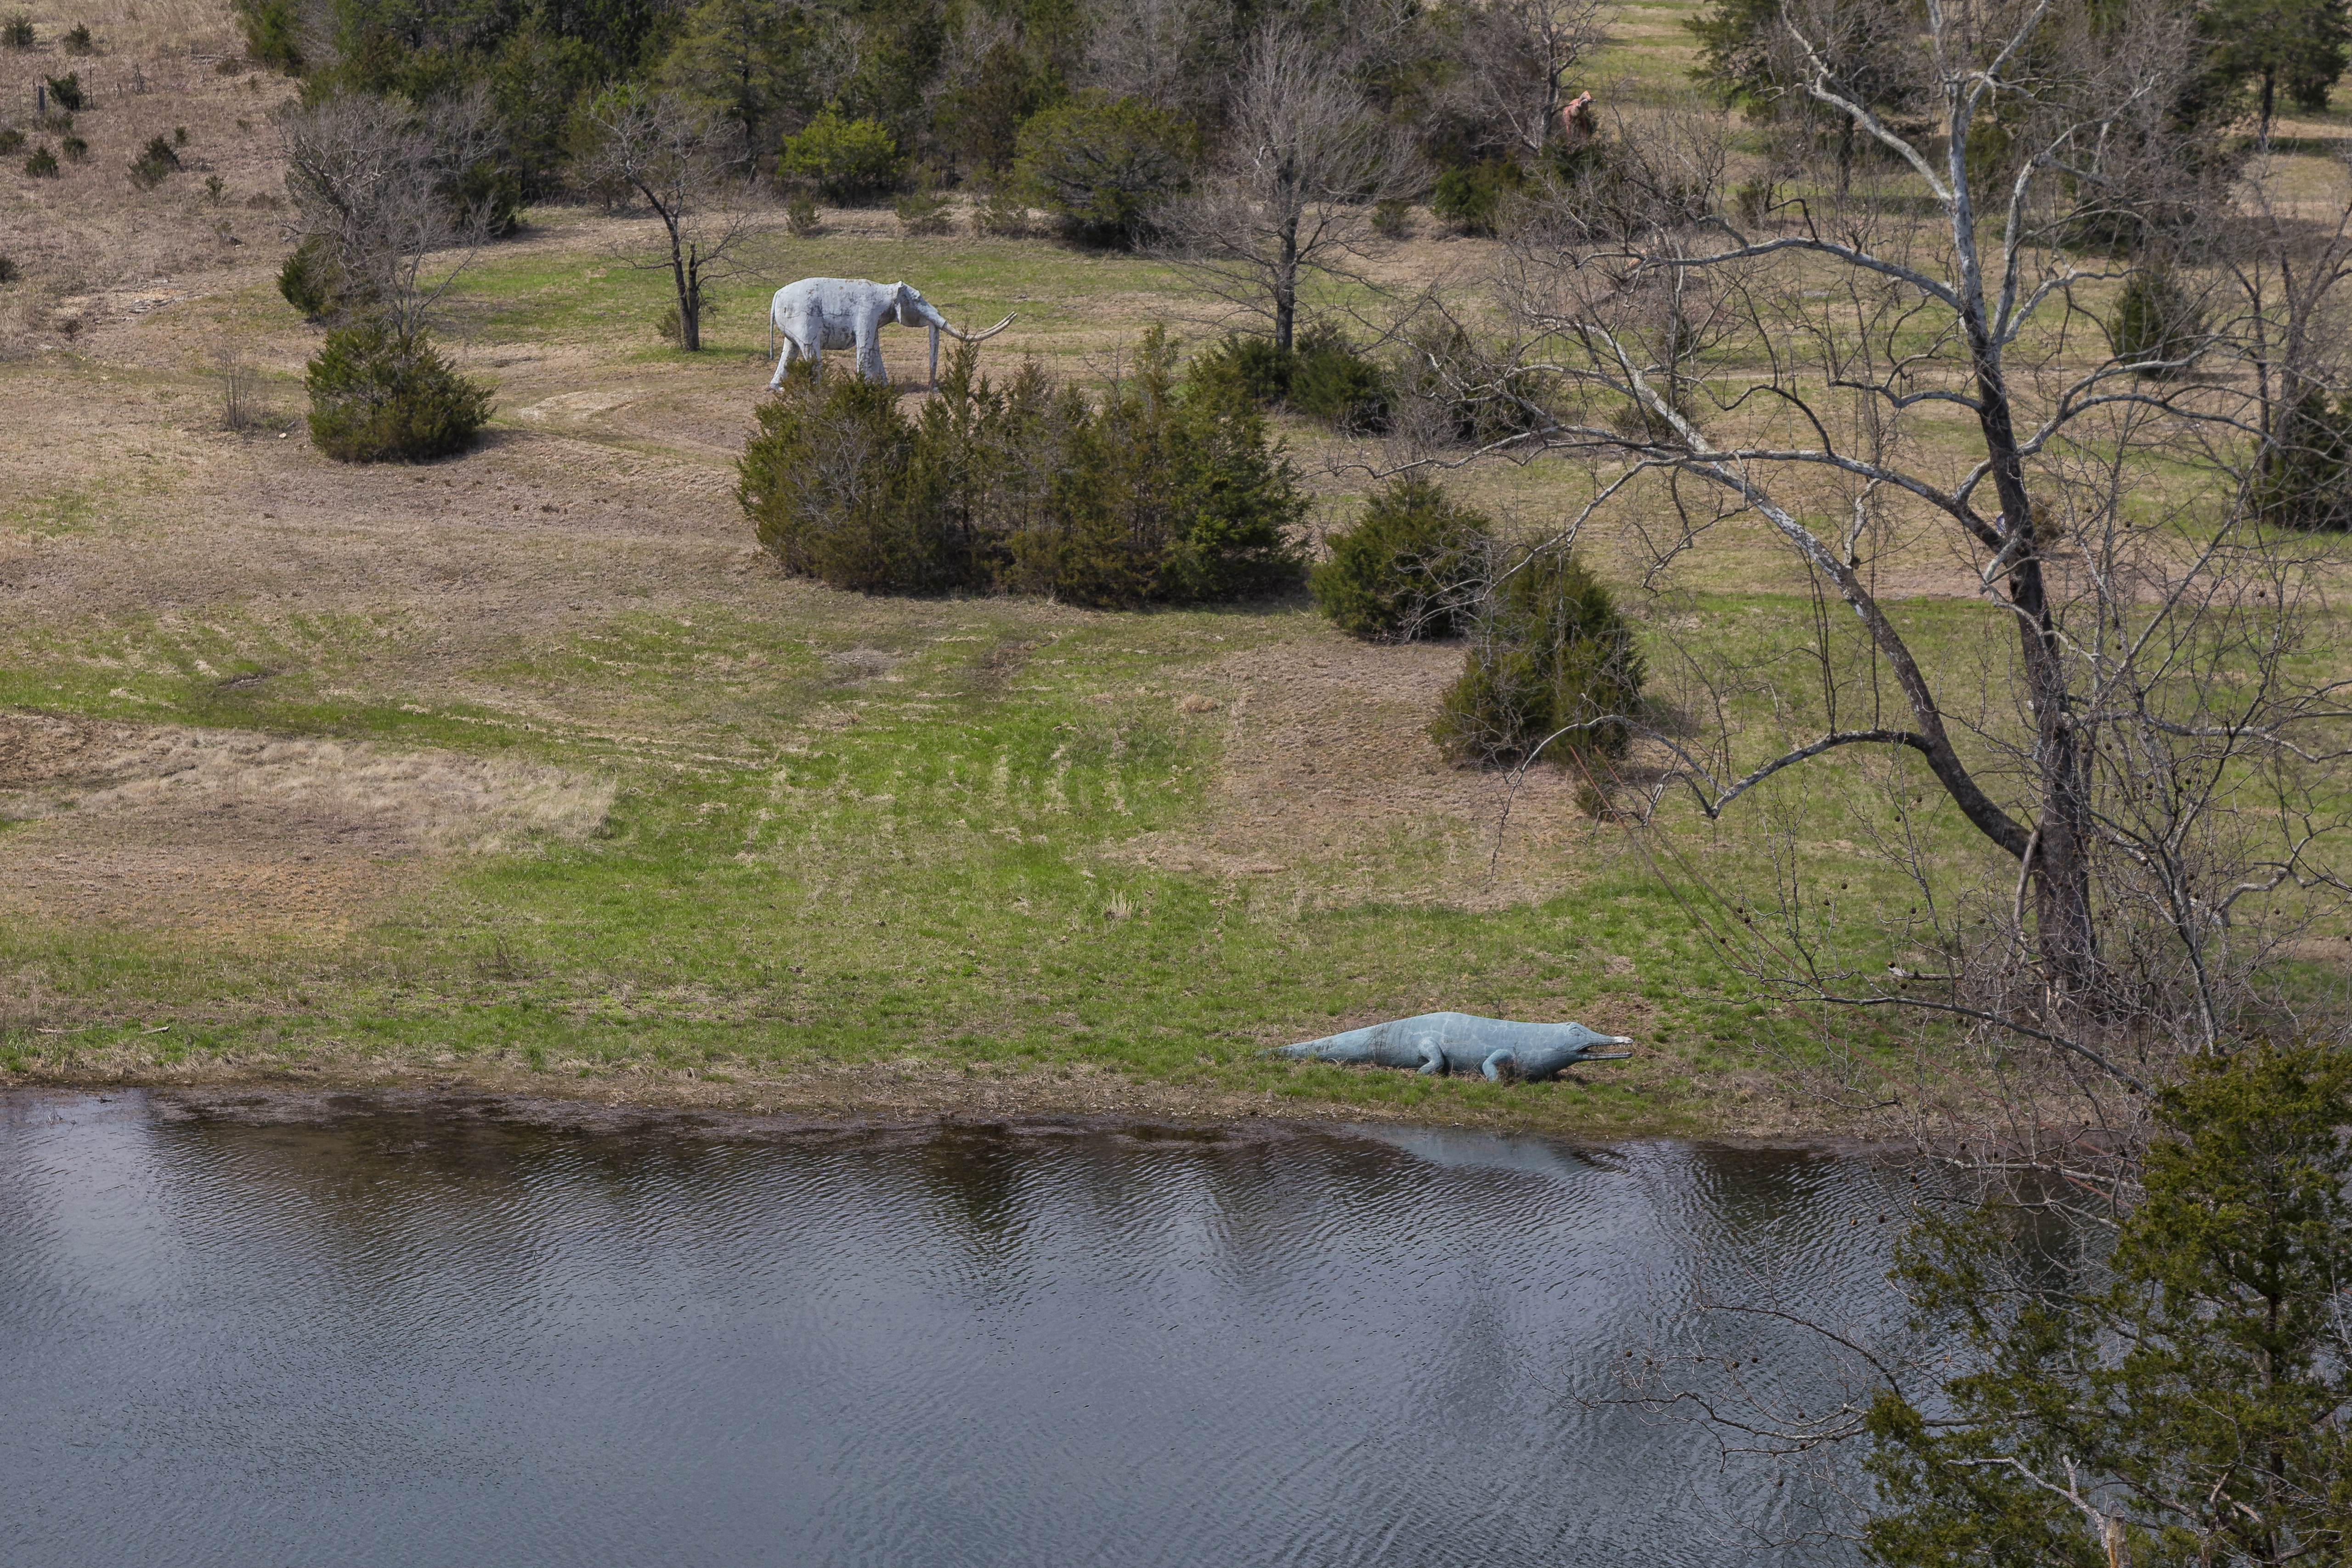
pixel 1324 378
pixel 1251 368
pixel 1168 491
pixel 155 163
pixel 12 140
pixel 379 396
pixel 1331 382
pixel 1551 652
pixel 77 40
pixel 2305 478
pixel 16 31
pixel 2156 318
pixel 313 282
pixel 1101 164
pixel 74 148
pixel 2193 1362
pixel 42 164
pixel 845 160
pixel 1408 567
pixel 922 209
pixel 1475 197
pixel 273 33
pixel 65 92
pixel 1002 210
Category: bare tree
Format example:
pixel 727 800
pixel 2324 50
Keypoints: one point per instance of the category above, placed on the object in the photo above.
pixel 375 182
pixel 1752 54
pixel 678 157
pixel 1176 53
pixel 2134 736
pixel 1307 158
pixel 1516 56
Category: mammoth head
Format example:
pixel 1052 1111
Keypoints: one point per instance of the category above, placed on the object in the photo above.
pixel 910 308
pixel 913 311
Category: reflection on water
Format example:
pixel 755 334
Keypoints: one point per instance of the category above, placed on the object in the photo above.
pixel 396 1339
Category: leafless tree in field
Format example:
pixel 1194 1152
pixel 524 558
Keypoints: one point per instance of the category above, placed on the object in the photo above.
pixel 1515 59
pixel 2113 793
pixel 680 158
pixel 1307 159
pixel 1177 54
pixel 375 181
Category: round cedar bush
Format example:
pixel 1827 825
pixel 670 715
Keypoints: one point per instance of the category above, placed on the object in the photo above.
pixel 2305 478
pixel 846 160
pixel 1101 164
pixel 1553 655
pixel 380 396
pixel 1407 568
pixel 1324 378
pixel 2156 320
pixel 1251 367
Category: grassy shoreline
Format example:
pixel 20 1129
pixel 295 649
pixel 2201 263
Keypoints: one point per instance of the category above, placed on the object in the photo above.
pixel 529 769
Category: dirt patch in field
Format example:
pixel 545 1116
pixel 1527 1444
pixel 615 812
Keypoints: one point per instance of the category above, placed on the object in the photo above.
pixel 1330 773
pixel 223 834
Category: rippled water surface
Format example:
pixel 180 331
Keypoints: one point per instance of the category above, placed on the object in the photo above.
pixel 397 1338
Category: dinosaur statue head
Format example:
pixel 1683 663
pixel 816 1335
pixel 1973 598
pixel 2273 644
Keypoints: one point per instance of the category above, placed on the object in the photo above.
pixel 1563 1046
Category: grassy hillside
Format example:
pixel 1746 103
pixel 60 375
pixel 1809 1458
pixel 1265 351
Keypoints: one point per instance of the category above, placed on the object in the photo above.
pixel 528 766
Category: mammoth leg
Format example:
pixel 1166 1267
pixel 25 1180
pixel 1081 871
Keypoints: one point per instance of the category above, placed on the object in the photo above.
pixel 784 361
pixel 869 354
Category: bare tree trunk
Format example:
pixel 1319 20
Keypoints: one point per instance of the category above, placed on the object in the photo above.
pixel 2057 853
pixel 681 273
pixel 1286 286
pixel 675 156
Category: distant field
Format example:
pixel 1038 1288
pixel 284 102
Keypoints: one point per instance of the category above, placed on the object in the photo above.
pixel 531 767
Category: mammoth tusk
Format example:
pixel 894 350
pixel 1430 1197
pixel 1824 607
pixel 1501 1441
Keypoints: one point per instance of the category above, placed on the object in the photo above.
pixel 983 337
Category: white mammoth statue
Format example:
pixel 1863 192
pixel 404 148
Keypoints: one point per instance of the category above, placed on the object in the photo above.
pixel 820 313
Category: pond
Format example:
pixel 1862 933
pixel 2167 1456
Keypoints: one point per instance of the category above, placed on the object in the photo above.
pixel 423 1335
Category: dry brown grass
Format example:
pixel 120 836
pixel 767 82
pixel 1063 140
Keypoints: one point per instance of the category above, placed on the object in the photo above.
pixel 93 246
pixel 229 834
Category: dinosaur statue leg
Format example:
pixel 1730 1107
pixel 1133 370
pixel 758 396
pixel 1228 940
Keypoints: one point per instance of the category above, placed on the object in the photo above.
pixel 1506 1060
pixel 1432 1060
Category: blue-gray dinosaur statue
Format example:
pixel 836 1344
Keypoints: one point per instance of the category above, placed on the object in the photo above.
pixel 1462 1042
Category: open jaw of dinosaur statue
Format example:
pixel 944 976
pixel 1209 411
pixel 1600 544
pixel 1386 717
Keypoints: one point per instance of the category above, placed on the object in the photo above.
pixel 1437 1043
